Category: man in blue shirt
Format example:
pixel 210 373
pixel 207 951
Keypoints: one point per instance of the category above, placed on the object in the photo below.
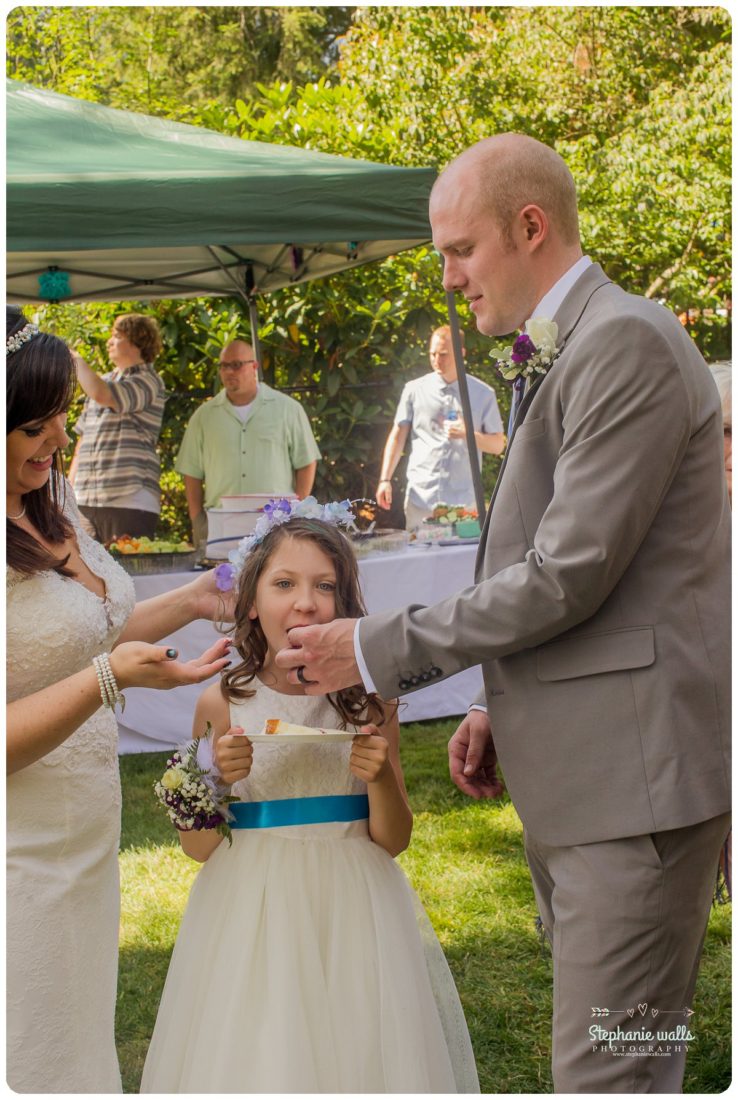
pixel 429 411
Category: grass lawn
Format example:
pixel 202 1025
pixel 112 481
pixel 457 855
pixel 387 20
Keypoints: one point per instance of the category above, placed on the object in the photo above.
pixel 466 862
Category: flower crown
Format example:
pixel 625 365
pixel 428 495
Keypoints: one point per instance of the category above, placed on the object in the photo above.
pixel 274 514
pixel 21 337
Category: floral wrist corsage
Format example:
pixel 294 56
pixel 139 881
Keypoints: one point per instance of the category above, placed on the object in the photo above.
pixel 190 794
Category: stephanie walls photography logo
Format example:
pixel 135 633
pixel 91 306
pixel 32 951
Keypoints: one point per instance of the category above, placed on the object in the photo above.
pixel 653 1032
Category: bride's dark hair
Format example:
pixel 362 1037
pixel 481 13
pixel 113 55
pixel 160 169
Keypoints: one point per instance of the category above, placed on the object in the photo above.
pixel 40 382
pixel 353 705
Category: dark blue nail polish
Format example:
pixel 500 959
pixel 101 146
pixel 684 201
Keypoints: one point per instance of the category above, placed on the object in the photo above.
pixel 172 653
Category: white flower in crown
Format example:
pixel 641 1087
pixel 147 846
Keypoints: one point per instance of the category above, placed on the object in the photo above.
pixel 532 352
pixel 307 509
pixel 339 514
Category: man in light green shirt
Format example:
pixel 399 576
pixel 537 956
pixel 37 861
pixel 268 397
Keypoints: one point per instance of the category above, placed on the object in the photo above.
pixel 247 439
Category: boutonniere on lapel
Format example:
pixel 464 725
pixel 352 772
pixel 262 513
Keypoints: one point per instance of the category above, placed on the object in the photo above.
pixel 532 352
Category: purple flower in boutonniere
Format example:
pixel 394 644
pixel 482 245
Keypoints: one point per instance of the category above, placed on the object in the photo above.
pixel 532 352
pixel 523 349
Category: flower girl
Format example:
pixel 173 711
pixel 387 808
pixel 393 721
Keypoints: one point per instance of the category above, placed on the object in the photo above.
pixel 304 962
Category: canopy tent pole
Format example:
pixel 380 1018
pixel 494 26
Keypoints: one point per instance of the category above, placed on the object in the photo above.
pixel 471 442
pixel 247 293
pixel 254 319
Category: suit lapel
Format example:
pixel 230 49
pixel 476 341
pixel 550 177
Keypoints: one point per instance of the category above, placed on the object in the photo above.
pixel 571 310
pixel 567 318
pixel 522 412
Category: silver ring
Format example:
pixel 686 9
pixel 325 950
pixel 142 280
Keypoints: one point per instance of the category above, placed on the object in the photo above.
pixel 301 675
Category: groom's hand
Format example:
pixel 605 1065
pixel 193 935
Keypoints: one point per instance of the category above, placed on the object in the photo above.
pixel 472 759
pixel 325 654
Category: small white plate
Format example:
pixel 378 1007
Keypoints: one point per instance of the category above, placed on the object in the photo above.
pixel 305 738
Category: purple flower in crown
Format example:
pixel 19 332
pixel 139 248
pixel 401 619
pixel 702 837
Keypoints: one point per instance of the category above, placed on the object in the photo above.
pixel 523 349
pixel 224 575
pixel 272 507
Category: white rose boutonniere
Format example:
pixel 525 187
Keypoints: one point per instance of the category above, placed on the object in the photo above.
pixel 544 335
pixel 532 352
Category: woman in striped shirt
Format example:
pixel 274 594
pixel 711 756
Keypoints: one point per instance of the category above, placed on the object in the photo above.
pixel 115 469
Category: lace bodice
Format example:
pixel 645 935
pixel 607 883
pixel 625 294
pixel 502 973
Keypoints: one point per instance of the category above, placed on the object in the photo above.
pixel 55 626
pixel 289 769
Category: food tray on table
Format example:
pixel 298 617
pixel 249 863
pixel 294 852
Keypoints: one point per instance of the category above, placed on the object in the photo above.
pixel 145 556
pixel 387 540
pixel 174 562
pixel 451 540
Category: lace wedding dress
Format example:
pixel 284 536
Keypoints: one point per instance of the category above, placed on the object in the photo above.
pixel 305 962
pixel 63 825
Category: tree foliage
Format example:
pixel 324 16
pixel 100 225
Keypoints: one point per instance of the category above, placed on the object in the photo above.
pixel 169 61
pixel 637 100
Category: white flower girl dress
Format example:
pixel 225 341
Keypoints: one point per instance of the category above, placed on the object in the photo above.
pixel 305 962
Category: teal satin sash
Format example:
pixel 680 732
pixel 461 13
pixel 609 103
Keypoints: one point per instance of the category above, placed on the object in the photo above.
pixel 299 811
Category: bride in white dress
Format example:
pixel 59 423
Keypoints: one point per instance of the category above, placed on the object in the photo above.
pixel 67 602
pixel 299 965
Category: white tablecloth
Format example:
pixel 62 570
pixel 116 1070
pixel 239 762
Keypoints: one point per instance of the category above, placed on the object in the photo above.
pixel 159 720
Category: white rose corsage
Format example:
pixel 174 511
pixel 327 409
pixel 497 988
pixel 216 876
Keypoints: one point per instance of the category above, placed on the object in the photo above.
pixel 190 794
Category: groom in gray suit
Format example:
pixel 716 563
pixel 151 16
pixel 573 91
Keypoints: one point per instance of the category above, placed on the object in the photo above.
pixel 600 616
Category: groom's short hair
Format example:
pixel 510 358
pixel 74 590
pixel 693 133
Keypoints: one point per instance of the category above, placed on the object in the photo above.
pixel 515 170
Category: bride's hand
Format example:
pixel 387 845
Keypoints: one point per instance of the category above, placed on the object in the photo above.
pixel 233 754
pixel 211 602
pixel 138 664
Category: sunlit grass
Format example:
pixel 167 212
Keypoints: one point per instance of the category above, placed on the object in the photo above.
pixel 466 862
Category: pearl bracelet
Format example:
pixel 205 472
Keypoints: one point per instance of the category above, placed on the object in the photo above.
pixel 110 693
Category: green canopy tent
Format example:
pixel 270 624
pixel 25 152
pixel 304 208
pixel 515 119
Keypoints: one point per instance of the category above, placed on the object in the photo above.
pixel 104 204
pixel 129 206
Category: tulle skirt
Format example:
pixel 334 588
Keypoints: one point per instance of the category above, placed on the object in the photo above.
pixel 305 964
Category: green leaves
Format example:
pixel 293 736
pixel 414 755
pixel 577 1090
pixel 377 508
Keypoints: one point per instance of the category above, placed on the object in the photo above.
pixel 636 99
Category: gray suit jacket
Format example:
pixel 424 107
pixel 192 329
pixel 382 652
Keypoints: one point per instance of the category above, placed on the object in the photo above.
pixel 601 612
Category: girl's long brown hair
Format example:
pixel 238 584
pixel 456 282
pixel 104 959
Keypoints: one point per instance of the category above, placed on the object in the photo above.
pixel 40 382
pixel 353 705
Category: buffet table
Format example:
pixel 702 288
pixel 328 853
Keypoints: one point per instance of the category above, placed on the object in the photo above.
pixel 159 720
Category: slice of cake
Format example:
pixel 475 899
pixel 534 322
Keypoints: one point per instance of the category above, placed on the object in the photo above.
pixel 277 726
